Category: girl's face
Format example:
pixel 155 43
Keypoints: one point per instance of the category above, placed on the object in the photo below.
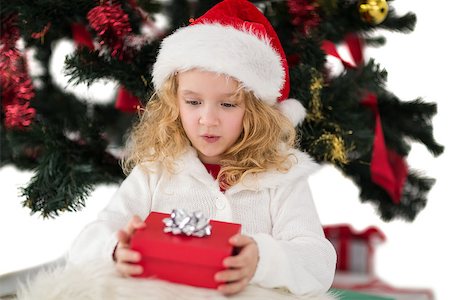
pixel 211 116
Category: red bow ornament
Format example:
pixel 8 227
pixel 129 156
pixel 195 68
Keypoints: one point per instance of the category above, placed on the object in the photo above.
pixel 387 168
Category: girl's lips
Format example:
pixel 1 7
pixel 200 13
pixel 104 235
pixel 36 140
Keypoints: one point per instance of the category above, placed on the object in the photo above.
pixel 210 138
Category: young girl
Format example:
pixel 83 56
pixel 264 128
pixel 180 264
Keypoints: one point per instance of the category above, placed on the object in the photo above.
pixel 218 136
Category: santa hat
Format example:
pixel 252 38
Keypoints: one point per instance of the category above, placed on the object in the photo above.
pixel 236 39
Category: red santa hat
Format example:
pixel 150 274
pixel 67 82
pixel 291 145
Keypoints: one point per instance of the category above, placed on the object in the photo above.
pixel 236 39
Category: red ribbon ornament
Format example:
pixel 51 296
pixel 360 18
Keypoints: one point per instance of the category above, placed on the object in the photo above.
pixel 81 36
pixel 126 101
pixel 387 168
pixel 330 48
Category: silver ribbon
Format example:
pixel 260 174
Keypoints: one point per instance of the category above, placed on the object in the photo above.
pixel 182 222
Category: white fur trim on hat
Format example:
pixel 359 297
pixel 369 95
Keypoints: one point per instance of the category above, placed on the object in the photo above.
pixel 241 54
pixel 294 110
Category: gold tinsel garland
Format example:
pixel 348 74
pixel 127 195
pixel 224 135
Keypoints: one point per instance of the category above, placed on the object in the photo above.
pixel 336 151
pixel 315 106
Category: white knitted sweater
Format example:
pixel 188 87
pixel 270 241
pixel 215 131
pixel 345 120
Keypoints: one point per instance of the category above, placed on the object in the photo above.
pixel 274 208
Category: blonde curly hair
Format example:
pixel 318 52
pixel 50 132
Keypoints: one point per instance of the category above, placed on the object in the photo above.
pixel 159 136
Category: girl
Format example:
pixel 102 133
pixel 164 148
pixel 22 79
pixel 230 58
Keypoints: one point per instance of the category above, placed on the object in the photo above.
pixel 218 136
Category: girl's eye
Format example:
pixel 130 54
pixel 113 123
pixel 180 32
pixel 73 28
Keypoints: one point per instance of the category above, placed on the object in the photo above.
pixel 228 105
pixel 192 102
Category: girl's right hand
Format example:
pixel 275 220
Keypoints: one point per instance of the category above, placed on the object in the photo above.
pixel 124 257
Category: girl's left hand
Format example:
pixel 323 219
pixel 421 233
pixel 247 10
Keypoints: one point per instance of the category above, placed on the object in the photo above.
pixel 241 267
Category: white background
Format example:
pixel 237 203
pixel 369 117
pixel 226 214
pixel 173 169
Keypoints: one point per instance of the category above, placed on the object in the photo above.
pixel 414 255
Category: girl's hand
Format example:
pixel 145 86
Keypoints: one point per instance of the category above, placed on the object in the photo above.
pixel 124 257
pixel 240 268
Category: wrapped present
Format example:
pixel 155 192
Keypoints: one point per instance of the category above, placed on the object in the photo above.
pixel 355 249
pixel 183 248
pixel 355 265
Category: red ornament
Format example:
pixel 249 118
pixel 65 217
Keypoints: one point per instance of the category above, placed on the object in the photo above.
pixel 40 35
pixel 16 85
pixel 126 101
pixel 9 69
pixel 81 36
pixel 18 115
pixel 304 14
pixel 112 26
pixel 10 32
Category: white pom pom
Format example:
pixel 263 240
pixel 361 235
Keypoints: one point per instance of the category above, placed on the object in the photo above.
pixel 334 66
pixel 294 110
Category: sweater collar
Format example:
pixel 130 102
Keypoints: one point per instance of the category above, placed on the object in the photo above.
pixel 189 164
pixel 303 166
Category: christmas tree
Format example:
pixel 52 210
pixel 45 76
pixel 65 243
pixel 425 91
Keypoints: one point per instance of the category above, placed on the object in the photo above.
pixel 353 121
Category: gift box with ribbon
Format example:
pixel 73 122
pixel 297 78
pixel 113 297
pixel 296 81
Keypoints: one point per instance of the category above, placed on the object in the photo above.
pixel 183 248
pixel 355 249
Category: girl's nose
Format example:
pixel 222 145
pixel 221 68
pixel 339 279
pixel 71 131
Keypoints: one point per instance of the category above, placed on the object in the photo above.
pixel 209 117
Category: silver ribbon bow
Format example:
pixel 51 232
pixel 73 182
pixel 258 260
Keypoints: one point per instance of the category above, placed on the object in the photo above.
pixel 182 222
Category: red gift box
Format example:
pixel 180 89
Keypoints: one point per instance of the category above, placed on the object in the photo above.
pixel 355 249
pixel 183 259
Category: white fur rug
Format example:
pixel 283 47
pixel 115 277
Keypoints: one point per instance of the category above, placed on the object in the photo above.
pixel 97 282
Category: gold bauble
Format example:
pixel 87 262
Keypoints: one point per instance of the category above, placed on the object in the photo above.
pixel 373 11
